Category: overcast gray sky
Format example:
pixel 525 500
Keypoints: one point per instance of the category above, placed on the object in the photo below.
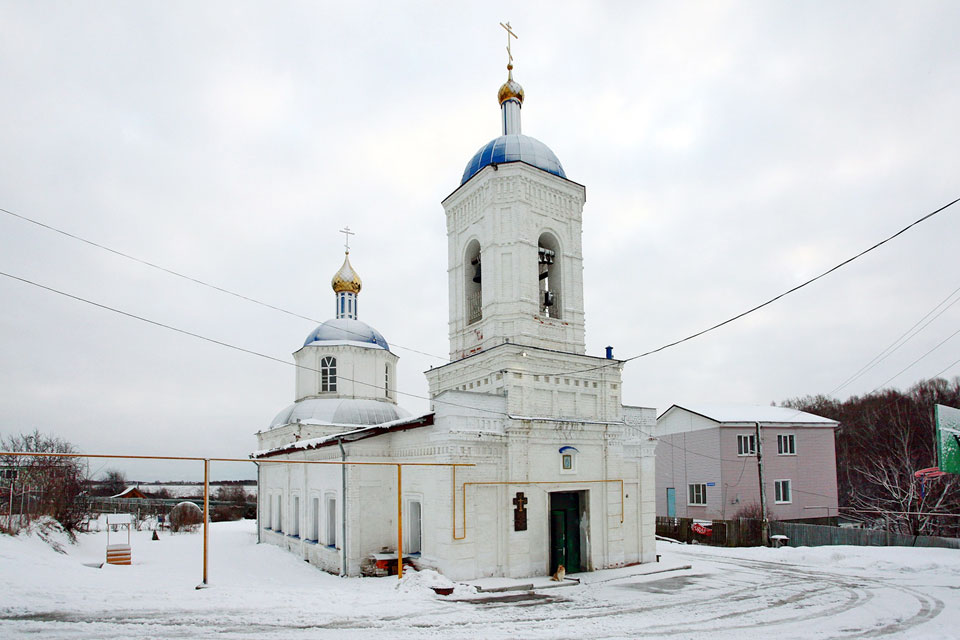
pixel 730 150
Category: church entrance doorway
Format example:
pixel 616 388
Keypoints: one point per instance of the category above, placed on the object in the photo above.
pixel 566 513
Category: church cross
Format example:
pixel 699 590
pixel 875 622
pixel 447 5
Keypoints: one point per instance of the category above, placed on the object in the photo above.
pixel 346 234
pixel 510 32
pixel 520 501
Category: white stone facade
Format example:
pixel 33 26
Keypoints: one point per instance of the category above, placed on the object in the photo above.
pixel 361 371
pixel 503 212
pixel 556 469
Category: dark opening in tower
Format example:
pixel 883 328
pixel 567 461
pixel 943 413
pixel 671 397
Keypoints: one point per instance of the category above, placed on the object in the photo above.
pixel 548 272
pixel 473 291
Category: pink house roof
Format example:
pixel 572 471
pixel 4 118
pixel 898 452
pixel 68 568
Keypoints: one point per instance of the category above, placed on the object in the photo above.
pixel 745 413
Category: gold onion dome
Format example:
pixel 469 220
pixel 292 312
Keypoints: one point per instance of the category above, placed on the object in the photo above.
pixel 346 279
pixel 510 89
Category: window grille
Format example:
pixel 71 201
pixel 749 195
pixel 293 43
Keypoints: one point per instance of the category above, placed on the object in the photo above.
pixel 328 374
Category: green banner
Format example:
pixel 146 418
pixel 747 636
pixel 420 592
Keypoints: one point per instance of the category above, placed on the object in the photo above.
pixel 948 438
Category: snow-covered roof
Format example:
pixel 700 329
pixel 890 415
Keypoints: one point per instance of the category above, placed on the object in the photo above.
pixel 339 330
pixel 738 413
pixel 131 490
pixel 119 518
pixel 349 435
pixel 341 411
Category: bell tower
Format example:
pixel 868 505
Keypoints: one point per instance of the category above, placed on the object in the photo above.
pixel 514 242
pixel 515 278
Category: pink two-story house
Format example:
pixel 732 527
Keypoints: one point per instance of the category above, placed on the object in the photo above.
pixel 707 462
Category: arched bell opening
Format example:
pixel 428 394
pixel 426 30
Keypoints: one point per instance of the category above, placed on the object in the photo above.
pixel 548 273
pixel 473 275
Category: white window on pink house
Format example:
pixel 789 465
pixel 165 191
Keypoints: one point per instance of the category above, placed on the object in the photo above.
pixel 746 445
pixel 787 444
pixel 697 495
pixel 782 492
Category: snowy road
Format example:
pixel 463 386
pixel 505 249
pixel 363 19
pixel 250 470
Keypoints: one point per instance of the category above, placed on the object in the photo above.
pixel 261 592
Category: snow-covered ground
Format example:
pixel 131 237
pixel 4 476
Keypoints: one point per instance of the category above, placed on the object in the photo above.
pixel 258 591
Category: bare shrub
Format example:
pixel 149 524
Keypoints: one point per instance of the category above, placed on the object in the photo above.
pixel 237 498
pixel 186 516
pixel 752 511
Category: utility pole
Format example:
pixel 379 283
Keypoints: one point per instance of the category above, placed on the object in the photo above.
pixel 764 525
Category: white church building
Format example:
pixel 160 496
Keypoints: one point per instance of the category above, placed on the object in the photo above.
pixel 562 472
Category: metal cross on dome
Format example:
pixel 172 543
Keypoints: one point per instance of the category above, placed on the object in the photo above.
pixel 346 235
pixel 510 32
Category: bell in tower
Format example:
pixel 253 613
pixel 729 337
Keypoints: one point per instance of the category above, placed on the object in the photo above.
pixel 476 275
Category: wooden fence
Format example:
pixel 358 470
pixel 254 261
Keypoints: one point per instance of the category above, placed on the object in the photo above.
pixel 721 533
pixel 747 533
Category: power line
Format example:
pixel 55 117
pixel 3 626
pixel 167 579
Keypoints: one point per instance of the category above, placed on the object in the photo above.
pixel 902 340
pixel 775 298
pixel 227 344
pixel 940 344
pixel 236 347
pixel 937 375
pixel 618 362
pixel 192 279
pixel 799 286
pixel 615 363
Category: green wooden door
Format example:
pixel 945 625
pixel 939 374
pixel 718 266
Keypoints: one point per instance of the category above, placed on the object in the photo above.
pixel 565 531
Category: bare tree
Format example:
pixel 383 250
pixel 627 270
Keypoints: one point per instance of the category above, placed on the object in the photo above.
pixel 113 482
pixel 48 485
pixel 884 438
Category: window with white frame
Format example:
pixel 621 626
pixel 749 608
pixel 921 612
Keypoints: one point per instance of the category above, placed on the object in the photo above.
pixel 746 445
pixel 786 444
pixel 328 374
pixel 386 380
pixel 697 495
pixel 278 525
pixel 782 492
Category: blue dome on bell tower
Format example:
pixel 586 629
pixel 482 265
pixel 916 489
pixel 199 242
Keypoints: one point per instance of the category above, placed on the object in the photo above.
pixel 514 148
pixel 512 145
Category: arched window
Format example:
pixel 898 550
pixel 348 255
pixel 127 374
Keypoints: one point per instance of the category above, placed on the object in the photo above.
pixel 328 374
pixel 473 293
pixel 386 380
pixel 548 272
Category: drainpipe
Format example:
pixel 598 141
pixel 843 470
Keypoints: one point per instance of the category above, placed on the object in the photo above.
pixel 259 492
pixel 343 509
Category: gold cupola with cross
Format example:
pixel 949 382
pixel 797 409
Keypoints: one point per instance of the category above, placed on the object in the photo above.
pixel 346 283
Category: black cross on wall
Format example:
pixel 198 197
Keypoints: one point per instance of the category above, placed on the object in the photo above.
pixel 519 512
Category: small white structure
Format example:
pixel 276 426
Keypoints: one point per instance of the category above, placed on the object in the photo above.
pixel 119 552
pixel 563 472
